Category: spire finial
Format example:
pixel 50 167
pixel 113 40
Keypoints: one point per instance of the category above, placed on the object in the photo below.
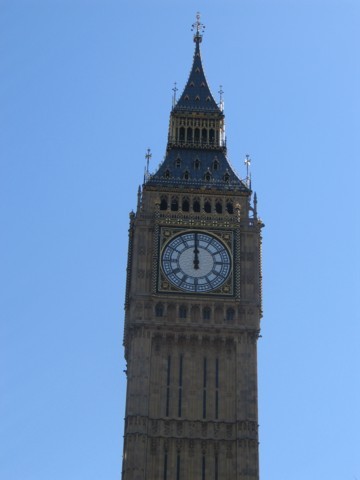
pixel 175 89
pixel 147 156
pixel 198 28
pixel 248 174
pixel 221 104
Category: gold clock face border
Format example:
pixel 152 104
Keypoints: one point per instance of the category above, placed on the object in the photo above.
pixel 226 237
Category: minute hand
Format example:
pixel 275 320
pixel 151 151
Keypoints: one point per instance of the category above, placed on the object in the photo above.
pixel 196 252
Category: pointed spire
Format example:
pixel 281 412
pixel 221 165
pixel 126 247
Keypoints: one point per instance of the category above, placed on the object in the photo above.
pixel 196 155
pixel 197 96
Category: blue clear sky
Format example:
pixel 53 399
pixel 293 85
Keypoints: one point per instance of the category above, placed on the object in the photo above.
pixel 85 90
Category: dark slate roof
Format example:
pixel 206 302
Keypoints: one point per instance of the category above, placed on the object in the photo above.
pixel 196 95
pixel 172 172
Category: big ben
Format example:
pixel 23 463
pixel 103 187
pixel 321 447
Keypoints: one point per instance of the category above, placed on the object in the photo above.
pixel 193 305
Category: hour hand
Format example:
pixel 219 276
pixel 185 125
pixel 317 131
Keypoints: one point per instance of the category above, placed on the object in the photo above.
pixel 196 253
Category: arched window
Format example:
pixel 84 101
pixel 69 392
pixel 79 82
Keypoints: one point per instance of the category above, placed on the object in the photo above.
pixel 197 98
pixel 218 206
pixel 230 314
pixel 204 135
pixel 167 174
pixel 196 205
pixel 207 206
pixel 197 164
pixel 186 175
pixel 207 176
pixel 197 135
pixel 163 203
pixel 189 134
pixel 185 205
pixel 159 310
pixel 178 163
pixel 216 164
pixel 206 313
pixel 182 311
pixel 226 176
pixel 174 204
pixel 211 135
pixel 230 207
pixel 182 134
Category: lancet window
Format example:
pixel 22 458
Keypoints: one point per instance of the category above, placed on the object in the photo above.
pixel 196 205
pixel 230 207
pixel 218 206
pixel 185 204
pixel 230 314
pixel 159 310
pixel 206 313
pixel 174 204
pixel 163 202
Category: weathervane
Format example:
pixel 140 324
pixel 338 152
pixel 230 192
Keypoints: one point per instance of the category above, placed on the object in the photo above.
pixel 198 27
pixel 247 162
pixel 175 89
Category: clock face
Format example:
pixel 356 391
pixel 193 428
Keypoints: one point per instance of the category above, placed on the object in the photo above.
pixel 196 262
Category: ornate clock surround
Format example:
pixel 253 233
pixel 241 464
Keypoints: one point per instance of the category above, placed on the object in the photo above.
pixel 225 236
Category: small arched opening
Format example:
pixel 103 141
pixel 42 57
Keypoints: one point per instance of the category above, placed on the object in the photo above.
pixel 185 205
pixel 207 206
pixel 230 314
pixel 230 207
pixel 163 203
pixel 197 135
pixel 182 134
pixel 196 205
pixel 206 313
pixel 174 204
pixel 197 164
pixel 204 135
pixel 159 310
pixel 211 135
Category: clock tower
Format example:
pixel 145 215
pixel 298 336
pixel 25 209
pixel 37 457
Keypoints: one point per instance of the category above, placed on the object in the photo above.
pixel 193 305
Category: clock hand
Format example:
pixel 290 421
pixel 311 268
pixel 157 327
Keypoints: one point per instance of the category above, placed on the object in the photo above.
pixel 196 252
